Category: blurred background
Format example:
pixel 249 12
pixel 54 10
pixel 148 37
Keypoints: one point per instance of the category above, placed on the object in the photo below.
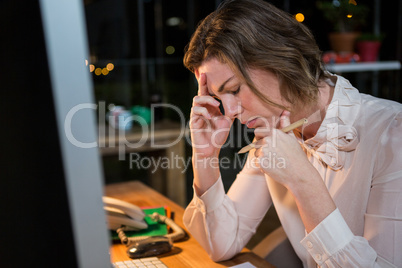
pixel 136 51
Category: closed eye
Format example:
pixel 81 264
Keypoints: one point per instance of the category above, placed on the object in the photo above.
pixel 236 91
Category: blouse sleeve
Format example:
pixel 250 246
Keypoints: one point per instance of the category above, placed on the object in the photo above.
pixel 332 244
pixel 223 224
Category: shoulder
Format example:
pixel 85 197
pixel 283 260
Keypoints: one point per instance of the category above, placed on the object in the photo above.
pixel 377 116
pixel 381 128
pixel 374 104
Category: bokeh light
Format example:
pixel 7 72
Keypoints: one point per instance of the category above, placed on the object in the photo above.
pixel 299 17
pixel 170 50
pixel 110 66
pixel 105 71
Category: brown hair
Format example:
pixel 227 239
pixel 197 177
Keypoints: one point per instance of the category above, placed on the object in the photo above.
pixel 248 34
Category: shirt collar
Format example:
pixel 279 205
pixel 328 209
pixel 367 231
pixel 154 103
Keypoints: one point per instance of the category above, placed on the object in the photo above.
pixel 336 135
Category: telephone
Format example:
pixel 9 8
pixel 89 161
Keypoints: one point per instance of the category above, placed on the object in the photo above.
pixel 121 214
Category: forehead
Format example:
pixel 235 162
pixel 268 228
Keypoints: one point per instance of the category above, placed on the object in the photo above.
pixel 217 73
pixel 214 66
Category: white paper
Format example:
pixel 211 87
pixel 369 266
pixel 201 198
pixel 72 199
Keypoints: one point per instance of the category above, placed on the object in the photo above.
pixel 244 265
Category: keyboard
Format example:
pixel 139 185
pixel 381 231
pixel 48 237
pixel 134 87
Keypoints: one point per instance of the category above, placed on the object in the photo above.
pixel 151 262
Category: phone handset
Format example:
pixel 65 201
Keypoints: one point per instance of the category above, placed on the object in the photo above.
pixel 124 215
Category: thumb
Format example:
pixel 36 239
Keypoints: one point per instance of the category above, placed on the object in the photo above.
pixel 284 120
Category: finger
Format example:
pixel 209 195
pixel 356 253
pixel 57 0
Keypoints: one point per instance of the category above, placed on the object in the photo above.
pixel 284 119
pixel 262 132
pixel 223 122
pixel 265 142
pixel 202 85
pixel 199 124
pixel 257 148
pixel 200 111
pixel 264 161
pixel 203 100
pixel 263 149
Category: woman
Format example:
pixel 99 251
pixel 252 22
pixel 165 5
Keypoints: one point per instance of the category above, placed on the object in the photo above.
pixel 336 183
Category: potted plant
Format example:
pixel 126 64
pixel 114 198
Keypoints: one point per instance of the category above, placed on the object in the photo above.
pixel 346 17
pixel 368 45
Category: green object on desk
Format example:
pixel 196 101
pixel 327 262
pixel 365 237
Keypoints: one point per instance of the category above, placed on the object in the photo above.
pixel 154 228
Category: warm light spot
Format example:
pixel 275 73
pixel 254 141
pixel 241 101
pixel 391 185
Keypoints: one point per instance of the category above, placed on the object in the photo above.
pixel 86 62
pixel 299 17
pixel 352 2
pixel 91 68
pixel 349 16
pixel 110 66
pixel 170 50
pixel 105 71
pixel 98 71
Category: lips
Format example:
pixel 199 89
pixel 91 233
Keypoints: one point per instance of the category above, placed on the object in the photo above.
pixel 251 123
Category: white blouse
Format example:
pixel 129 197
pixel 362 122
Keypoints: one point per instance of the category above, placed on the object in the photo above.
pixel 358 153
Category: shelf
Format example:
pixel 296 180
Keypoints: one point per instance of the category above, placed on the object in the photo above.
pixel 363 66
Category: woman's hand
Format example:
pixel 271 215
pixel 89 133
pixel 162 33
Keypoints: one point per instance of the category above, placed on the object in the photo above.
pixel 281 157
pixel 209 127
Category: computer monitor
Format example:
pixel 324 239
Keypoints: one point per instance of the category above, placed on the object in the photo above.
pixel 51 181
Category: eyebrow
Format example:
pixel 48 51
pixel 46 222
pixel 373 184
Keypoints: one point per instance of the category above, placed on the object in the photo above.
pixel 222 87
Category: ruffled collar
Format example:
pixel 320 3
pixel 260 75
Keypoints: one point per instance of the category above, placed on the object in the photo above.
pixel 336 135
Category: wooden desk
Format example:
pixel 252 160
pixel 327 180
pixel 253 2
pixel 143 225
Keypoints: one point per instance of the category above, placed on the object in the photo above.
pixel 186 253
pixel 165 137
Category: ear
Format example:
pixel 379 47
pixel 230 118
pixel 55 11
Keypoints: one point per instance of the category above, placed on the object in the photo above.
pixel 197 74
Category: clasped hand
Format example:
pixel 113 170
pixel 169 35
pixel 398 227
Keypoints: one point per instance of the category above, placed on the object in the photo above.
pixel 280 156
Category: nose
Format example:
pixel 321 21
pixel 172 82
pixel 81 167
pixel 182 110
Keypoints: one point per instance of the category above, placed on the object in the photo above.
pixel 232 108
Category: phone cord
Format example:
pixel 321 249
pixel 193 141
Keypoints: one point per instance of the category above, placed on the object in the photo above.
pixel 178 232
pixel 123 238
